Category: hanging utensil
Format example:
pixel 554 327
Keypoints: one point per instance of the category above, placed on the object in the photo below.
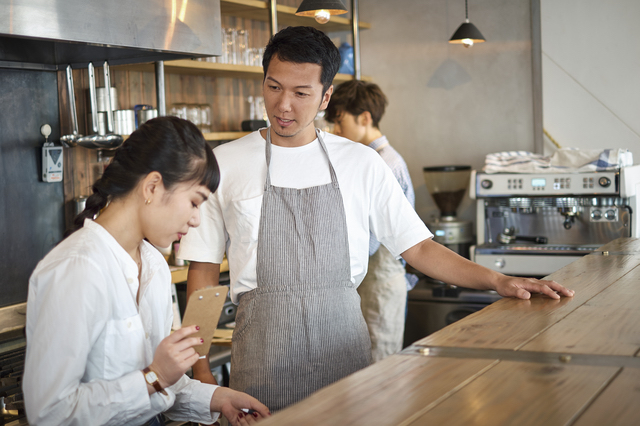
pixel 69 141
pixel 96 141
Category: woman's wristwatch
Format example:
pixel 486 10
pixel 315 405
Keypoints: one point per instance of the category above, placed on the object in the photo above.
pixel 152 379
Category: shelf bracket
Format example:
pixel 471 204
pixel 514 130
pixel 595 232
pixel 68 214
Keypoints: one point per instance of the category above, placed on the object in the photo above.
pixel 160 94
pixel 273 17
pixel 355 19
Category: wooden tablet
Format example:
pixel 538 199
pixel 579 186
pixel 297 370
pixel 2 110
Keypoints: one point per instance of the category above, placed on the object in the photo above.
pixel 203 309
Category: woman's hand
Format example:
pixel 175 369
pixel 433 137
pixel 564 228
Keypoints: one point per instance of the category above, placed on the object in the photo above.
pixel 174 355
pixel 230 403
pixel 523 287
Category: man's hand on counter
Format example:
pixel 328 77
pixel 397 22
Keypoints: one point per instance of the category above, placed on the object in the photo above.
pixel 440 263
pixel 523 287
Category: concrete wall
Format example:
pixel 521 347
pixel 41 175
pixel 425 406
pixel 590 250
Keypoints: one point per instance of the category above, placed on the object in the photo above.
pixel 591 73
pixel 448 104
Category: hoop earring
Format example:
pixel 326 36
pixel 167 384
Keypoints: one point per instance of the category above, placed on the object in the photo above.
pixel 147 201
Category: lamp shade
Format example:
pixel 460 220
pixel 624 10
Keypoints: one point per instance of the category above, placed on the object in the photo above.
pixel 467 31
pixel 312 7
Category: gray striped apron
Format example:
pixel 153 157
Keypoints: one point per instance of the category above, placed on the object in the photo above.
pixel 302 328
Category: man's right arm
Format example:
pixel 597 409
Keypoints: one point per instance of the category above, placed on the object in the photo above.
pixel 202 274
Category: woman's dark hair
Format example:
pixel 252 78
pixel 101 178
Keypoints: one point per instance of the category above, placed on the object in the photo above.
pixel 356 97
pixel 171 146
pixel 302 45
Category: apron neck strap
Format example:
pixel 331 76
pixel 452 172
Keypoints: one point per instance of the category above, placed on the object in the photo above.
pixel 267 185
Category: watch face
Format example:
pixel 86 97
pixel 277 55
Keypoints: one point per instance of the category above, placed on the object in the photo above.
pixel 151 377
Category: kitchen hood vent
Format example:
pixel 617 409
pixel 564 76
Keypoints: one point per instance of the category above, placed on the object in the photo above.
pixel 51 34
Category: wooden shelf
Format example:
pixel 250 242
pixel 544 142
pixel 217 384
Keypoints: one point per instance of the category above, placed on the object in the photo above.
pixel 224 136
pixel 193 67
pixel 259 11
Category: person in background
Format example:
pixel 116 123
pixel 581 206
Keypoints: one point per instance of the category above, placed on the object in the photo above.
pixel 99 307
pixel 294 213
pixel 356 108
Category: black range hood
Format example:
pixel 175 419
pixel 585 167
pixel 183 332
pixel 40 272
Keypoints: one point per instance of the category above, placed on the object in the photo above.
pixel 51 34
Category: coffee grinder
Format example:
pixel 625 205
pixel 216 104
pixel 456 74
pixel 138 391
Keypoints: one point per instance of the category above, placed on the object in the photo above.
pixel 447 186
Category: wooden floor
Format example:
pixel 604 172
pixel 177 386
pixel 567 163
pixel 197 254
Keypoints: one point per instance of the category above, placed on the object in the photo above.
pixel 541 361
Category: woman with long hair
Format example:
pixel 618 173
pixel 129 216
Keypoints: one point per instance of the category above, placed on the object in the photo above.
pixel 99 313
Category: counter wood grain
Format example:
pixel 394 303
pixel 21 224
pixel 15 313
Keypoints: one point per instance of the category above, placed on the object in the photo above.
pixel 572 361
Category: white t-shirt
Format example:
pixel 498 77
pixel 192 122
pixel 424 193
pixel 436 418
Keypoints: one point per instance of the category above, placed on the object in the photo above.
pixel 88 339
pixel 230 219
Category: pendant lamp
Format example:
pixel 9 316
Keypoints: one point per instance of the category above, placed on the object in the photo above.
pixel 467 33
pixel 321 9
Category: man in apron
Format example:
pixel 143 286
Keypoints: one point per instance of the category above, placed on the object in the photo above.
pixel 356 108
pixel 293 213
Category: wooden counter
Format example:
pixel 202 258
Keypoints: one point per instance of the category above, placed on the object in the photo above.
pixel 572 361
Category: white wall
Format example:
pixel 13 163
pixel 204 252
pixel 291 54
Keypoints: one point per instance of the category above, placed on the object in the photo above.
pixel 591 73
pixel 448 104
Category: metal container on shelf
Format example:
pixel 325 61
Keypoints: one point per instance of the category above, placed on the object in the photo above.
pixel 124 121
pixel 101 99
pixel 144 115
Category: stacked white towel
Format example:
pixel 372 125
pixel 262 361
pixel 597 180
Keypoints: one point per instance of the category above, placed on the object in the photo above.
pixel 565 160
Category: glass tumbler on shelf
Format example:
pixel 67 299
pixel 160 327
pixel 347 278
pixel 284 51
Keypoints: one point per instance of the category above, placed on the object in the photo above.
pixel 230 52
pixel 205 118
pixel 178 110
pixel 242 47
pixel 193 114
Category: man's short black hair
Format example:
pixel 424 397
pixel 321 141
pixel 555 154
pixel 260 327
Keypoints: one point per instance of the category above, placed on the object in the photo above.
pixel 302 45
pixel 356 97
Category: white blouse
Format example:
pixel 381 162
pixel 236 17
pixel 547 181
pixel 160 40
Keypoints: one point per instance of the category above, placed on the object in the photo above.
pixel 88 339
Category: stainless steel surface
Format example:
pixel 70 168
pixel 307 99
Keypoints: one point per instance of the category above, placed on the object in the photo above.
pixel 97 141
pixel 524 356
pixel 541 217
pixel 107 89
pixel 545 184
pixel 80 203
pixel 530 265
pixel 78 31
pixel 508 236
pixel 451 231
pixel 144 115
pixel 101 98
pixel 93 104
pixel 70 139
pixel 160 93
pixel 577 212
pixel 125 121
pixel 355 17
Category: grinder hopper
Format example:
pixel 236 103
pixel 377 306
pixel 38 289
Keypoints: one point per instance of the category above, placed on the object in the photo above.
pixel 447 186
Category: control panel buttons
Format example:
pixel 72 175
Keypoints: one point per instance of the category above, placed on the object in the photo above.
pixel 604 182
pixel 486 184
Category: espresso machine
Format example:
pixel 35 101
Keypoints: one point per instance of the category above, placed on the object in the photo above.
pixel 447 186
pixel 534 224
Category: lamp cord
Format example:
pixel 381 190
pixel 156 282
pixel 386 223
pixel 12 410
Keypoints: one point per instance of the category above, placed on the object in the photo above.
pixel 466 10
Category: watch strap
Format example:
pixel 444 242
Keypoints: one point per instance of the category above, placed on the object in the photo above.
pixel 156 383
